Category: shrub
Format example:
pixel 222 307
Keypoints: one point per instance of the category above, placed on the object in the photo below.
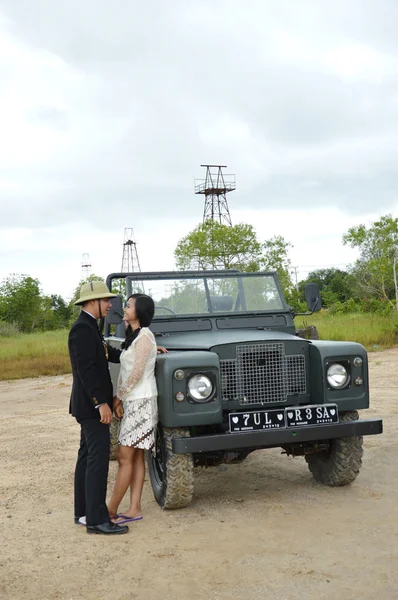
pixel 9 329
pixel 375 306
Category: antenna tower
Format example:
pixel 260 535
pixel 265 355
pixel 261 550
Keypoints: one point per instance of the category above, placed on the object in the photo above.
pixel 215 188
pixel 86 266
pixel 130 261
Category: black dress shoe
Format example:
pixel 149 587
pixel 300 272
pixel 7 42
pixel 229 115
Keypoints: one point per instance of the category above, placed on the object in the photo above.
pixel 107 528
pixel 77 520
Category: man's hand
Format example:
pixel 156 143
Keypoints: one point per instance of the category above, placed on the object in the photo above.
pixel 106 414
pixel 162 350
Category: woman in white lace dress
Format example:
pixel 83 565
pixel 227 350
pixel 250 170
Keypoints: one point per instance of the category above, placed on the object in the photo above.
pixel 137 392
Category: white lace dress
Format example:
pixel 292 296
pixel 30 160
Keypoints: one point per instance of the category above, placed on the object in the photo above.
pixel 137 390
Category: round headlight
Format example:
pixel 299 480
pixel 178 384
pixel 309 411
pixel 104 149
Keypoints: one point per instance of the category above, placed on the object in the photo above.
pixel 200 388
pixel 337 376
pixel 179 374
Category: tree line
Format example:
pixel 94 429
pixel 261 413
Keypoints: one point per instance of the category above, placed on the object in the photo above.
pixel 368 285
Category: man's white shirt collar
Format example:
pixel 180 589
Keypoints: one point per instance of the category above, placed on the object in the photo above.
pixel 87 313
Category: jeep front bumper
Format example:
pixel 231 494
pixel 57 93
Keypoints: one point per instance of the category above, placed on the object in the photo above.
pixel 275 437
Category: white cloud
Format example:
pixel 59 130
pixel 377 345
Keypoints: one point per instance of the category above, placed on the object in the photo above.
pixel 105 119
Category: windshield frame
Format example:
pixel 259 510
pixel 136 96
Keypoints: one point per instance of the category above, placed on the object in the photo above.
pixel 203 275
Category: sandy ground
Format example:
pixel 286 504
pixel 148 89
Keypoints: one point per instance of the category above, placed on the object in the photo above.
pixel 262 529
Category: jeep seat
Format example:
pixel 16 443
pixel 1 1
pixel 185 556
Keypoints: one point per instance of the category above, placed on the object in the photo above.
pixel 221 303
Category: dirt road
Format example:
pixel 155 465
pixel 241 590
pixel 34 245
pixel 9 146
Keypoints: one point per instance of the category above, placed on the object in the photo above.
pixel 262 529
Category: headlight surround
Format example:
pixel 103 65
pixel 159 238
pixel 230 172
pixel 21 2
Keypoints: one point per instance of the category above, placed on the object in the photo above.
pixel 200 388
pixel 179 374
pixel 337 376
pixel 357 362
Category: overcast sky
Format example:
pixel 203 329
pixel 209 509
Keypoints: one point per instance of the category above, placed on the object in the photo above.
pixel 108 109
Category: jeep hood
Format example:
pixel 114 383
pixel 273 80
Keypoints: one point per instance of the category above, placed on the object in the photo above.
pixel 206 340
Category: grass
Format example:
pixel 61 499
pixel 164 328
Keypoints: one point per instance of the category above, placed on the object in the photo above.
pixel 34 355
pixel 375 332
pixel 46 353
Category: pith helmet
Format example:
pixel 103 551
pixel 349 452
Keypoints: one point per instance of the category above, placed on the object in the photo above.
pixel 94 290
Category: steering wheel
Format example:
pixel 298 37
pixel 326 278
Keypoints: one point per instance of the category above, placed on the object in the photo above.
pixel 165 308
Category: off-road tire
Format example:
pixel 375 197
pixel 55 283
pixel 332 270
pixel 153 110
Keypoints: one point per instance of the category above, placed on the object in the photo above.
pixel 114 432
pixel 341 464
pixel 171 474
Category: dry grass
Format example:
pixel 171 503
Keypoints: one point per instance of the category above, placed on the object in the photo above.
pixel 34 355
pixel 19 368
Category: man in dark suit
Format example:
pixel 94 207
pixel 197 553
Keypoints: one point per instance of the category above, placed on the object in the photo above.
pixel 91 405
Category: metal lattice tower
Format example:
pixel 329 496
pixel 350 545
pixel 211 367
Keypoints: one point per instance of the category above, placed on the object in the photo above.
pixel 86 266
pixel 215 188
pixel 130 261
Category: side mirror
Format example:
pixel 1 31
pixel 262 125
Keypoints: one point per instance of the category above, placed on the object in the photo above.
pixel 115 314
pixel 313 297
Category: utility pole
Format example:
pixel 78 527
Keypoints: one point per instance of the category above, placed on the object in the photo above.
pixel 395 276
pixel 295 275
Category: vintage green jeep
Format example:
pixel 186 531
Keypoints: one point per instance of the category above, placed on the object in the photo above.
pixel 237 378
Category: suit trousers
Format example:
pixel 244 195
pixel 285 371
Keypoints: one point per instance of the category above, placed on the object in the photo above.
pixel 91 473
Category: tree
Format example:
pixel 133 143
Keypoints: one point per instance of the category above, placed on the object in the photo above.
pixel 212 245
pixel 375 270
pixel 275 258
pixel 335 285
pixel 21 301
pixel 55 314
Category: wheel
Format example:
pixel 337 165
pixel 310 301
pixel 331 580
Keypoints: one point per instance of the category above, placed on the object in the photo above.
pixel 341 463
pixel 114 432
pixel 171 474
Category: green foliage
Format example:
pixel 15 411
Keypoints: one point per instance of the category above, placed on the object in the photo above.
pixel 376 306
pixel 344 308
pixel 335 285
pixel 212 245
pixel 374 331
pixel 24 308
pixel 275 258
pixel 21 301
pixel 56 313
pixel 185 298
pixel 8 329
pixel 119 287
pixel 374 270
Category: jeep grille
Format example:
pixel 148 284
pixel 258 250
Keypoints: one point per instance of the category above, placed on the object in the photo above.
pixel 262 373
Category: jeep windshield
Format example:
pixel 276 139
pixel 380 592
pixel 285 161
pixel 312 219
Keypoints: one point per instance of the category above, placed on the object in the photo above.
pixel 202 294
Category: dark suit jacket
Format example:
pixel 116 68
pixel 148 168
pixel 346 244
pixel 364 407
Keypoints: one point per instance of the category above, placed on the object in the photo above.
pixel 92 383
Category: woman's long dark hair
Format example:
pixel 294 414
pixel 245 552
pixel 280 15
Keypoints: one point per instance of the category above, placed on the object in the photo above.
pixel 144 309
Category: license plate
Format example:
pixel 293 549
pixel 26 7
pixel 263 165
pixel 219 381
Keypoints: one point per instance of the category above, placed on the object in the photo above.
pixel 302 416
pixel 323 414
pixel 263 419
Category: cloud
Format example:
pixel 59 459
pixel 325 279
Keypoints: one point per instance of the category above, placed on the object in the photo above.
pixel 107 111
